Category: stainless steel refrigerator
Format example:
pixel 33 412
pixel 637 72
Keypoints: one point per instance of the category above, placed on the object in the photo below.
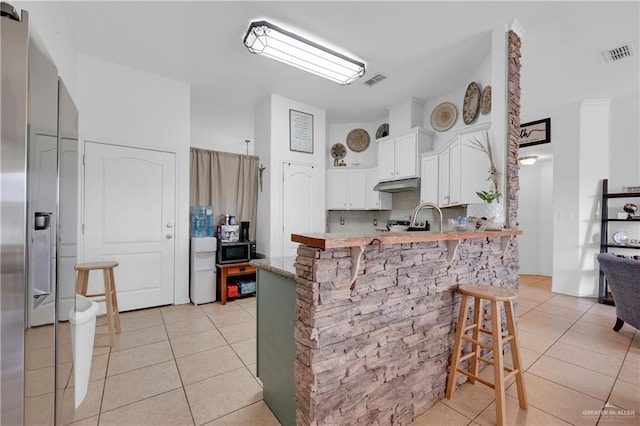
pixel 13 194
pixel 38 222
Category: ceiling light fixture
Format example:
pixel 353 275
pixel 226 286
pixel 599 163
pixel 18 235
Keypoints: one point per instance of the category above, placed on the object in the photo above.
pixel 528 160
pixel 264 38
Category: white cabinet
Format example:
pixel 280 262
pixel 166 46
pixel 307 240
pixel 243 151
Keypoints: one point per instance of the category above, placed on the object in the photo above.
pixel 352 189
pixel 462 171
pixel 356 183
pixel 386 160
pixel 375 200
pixel 398 156
pixel 450 174
pixel 474 169
pixel 429 179
pixel 336 189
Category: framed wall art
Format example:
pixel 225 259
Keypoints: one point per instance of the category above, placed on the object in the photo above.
pixel 300 131
pixel 535 132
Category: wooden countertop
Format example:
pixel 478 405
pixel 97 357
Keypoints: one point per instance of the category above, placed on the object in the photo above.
pixel 337 239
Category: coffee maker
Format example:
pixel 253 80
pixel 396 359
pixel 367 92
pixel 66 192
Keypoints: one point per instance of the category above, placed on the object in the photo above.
pixel 244 231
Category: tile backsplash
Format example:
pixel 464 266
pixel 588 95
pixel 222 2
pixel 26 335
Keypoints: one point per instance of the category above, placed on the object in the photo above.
pixel 403 205
pixel 356 220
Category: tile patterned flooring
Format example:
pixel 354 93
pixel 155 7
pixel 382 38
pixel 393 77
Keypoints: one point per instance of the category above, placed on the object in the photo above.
pixel 185 365
pixel 576 367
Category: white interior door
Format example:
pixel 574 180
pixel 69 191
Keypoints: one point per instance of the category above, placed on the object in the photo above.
pixel 68 225
pixel 301 211
pixel 129 211
pixel 43 197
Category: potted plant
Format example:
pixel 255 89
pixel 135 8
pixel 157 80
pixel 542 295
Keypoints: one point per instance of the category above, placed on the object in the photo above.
pixel 491 209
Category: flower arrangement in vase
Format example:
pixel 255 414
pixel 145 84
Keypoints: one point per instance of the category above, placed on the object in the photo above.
pixel 490 211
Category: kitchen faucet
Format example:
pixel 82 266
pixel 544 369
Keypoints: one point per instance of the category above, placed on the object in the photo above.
pixel 420 207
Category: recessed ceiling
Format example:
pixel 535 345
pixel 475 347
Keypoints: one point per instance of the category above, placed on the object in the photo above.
pixel 425 49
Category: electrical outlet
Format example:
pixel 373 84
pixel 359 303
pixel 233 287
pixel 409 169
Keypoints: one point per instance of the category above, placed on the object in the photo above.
pixel 341 220
pixel 375 222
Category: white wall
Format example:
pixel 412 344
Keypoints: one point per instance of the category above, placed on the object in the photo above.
pixel 593 155
pixel 624 161
pixel 205 135
pixel 124 106
pixel 338 134
pixel 535 217
pixel 262 132
pixel 565 142
pixel 50 23
pixel 590 141
pixel 272 143
pixel 482 76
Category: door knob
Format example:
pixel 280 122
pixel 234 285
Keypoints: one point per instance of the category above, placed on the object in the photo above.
pixel 169 236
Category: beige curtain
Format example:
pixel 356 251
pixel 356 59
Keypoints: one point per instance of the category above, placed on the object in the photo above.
pixel 226 181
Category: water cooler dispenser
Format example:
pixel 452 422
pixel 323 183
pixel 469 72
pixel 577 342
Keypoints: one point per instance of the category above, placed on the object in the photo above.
pixel 202 283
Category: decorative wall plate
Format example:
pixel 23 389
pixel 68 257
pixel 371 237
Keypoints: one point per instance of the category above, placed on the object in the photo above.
pixel 471 103
pixel 621 237
pixel 485 100
pixel 338 151
pixel 358 140
pixel 443 116
pixel 383 131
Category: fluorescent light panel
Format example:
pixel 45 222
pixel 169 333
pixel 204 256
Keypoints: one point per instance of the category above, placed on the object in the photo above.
pixel 264 38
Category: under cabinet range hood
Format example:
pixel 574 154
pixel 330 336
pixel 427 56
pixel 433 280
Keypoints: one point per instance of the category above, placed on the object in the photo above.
pixel 398 185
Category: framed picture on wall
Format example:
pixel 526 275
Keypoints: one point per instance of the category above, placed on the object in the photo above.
pixel 535 132
pixel 300 131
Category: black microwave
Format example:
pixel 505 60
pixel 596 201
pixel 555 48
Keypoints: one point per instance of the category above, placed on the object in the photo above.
pixel 236 251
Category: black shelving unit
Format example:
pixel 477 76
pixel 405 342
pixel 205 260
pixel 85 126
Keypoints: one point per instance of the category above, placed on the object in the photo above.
pixel 604 296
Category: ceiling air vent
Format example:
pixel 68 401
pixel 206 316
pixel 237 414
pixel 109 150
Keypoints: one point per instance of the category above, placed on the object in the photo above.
pixel 375 79
pixel 618 53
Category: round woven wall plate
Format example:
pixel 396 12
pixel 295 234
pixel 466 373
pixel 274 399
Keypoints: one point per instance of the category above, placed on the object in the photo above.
pixel 338 151
pixel 443 116
pixel 358 140
pixel 383 131
pixel 485 100
pixel 471 103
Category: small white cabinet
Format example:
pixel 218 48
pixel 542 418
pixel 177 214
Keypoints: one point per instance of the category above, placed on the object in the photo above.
pixel 356 182
pixel 429 179
pixel 337 189
pixel 386 160
pixel 451 182
pixel 375 200
pixel 398 156
pixel 352 189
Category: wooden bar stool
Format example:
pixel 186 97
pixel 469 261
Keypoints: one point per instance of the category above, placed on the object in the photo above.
pixel 493 295
pixel 110 298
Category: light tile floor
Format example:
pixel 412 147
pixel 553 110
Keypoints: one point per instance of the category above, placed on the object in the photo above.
pixel 178 365
pixel 185 365
pixel 577 367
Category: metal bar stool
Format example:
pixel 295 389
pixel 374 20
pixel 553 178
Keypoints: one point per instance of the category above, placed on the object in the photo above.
pixel 110 298
pixel 494 295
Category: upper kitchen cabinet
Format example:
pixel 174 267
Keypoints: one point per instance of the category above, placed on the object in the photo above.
pixel 346 189
pixel 352 189
pixel 449 174
pixel 337 189
pixel 454 174
pixel 429 178
pixel 398 156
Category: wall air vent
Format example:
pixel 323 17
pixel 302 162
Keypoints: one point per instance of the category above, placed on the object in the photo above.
pixel 618 53
pixel 375 79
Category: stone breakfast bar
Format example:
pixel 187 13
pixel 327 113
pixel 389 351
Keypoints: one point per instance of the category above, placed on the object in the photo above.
pixel 375 318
